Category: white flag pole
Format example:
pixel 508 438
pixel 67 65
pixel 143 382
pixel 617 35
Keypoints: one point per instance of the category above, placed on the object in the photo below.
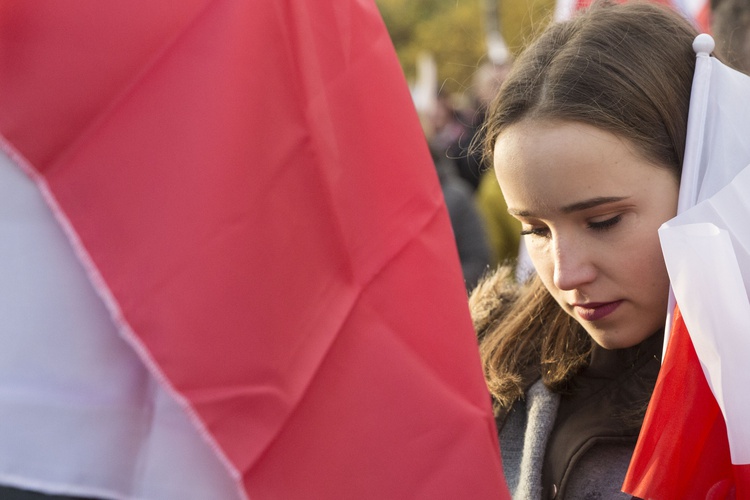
pixel 703 45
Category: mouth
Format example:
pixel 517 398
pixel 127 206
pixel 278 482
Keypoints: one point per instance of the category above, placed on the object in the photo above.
pixel 594 311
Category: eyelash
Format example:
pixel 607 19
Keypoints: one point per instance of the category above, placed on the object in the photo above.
pixel 605 224
pixel 596 226
pixel 536 231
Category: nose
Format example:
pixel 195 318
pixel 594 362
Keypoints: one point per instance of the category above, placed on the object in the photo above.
pixel 573 263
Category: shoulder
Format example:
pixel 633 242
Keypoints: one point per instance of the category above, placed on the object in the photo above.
pixel 523 440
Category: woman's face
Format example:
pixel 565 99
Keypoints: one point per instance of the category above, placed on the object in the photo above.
pixel 590 207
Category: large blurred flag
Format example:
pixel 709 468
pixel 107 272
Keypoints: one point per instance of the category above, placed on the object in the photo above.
pixel 698 11
pixel 695 442
pixel 248 190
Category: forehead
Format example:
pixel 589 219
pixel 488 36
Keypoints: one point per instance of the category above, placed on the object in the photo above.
pixel 544 143
pixel 543 164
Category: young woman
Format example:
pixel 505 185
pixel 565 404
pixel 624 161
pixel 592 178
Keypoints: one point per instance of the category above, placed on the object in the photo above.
pixel 587 136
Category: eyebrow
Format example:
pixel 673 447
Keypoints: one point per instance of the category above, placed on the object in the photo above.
pixel 575 207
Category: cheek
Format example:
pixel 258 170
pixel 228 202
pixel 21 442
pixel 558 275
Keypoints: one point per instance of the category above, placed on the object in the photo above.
pixel 657 271
pixel 536 252
pixel 642 264
pixel 543 262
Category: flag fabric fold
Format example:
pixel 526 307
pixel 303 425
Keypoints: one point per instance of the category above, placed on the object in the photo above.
pixel 695 438
pixel 250 192
pixel 80 412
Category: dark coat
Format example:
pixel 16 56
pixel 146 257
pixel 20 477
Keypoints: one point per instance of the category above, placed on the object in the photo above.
pixel 579 445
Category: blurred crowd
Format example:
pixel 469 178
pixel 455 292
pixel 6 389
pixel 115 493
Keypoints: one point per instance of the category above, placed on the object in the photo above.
pixel 486 235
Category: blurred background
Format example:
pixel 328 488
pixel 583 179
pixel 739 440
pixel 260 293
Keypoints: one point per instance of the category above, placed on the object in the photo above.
pixel 455 54
pixel 454 33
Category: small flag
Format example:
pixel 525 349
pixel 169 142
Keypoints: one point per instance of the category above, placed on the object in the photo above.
pixel 695 441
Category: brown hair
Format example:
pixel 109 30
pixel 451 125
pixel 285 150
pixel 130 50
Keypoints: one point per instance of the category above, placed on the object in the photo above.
pixel 625 68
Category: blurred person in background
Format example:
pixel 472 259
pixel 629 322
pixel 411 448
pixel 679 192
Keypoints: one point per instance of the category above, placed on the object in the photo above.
pixel 730 24
pixel 468 227
pixel 503 230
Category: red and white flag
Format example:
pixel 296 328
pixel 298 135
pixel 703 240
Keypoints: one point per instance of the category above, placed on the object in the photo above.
pixel 698 11
pixel 565 9
pixel 242 242
pixel 695 441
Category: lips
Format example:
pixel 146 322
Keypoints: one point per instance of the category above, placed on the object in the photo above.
pixel 594 311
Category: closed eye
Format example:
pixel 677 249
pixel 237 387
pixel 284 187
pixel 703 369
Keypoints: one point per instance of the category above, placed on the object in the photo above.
pixel 536 231
pixel 605 224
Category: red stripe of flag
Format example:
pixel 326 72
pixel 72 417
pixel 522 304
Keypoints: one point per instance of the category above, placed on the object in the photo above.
pixel 686 434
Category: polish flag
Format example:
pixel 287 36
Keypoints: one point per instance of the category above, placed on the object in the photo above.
pixel 227 267
pixel 698 11
pixel 565 9
pixel 695 441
